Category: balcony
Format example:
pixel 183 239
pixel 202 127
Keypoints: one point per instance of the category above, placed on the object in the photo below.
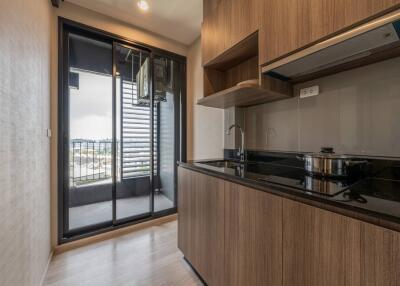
pixel 90 192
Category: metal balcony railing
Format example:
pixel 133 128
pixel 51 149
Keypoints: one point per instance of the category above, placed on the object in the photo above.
pixel 90 161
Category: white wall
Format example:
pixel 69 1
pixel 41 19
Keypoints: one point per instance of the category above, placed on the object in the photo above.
pixel 357 112
pixel 205 125
pixel 24 147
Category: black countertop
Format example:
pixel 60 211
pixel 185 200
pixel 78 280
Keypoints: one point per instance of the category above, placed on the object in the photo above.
pixel 375 197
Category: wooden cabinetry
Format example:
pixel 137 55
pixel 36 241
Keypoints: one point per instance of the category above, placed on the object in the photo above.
pixel 253 237
pixel 231 234
pixel 235 235
pixel 226 23
pixel 380 256
pixel 201 223
pixel 319 247
pixel 286 26
pixel 325 248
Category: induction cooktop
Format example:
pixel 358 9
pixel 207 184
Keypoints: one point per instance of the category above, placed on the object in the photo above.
pixel 298 178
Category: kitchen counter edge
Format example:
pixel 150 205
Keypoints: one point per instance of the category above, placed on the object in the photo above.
pixel 375 218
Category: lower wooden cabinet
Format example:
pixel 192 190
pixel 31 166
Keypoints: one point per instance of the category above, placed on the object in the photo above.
pixel 325 248
pixel 253 237
pixel 380 256
pixel 234 235
pixel 319 247
pixel 201 223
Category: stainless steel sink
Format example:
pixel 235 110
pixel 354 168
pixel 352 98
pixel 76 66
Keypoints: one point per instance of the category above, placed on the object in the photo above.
pixel 222 164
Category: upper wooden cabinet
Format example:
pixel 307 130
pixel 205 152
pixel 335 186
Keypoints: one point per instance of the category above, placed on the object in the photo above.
pixel 284 25
pixel 288 25
pixel 226 23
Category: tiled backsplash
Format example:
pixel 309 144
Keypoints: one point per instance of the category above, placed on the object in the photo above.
pixel 357 112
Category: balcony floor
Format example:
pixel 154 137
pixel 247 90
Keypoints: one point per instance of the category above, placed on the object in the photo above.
pixel 100 212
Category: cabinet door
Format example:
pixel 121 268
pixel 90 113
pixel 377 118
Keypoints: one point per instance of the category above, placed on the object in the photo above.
pixel 319 247
pixel 213 35
pixel 226 23
pixel 201 223
pixel 330 16
pixel 380 256
pixel 253 237
pixel 185 212
pixel 286 26
pixel 242 20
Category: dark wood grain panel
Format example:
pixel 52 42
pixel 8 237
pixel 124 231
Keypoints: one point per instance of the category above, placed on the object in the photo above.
pixel 236 235
pixel 284 26
pixel 319 247
pixel 242 51
pixel 185 212
pixel 380 256
pixel 225 24
pixel 253 237
pixel 287 26
pixel 201 223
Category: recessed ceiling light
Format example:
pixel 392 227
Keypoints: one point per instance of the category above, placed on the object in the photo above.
pixel 143 5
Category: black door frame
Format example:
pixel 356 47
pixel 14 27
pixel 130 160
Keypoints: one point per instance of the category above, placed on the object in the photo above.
pixel 66 26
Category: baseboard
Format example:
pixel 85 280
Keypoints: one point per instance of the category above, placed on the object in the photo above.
pixel 112 234
pixel 46 268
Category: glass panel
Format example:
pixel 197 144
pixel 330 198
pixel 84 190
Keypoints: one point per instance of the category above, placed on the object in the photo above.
pixel 90 132
pixel 166 108
pixel 133 132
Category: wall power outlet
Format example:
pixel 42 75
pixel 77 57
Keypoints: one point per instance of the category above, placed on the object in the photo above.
pixel 309 91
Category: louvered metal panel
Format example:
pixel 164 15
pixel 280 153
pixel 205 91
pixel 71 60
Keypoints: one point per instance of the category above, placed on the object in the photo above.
pixel 135 134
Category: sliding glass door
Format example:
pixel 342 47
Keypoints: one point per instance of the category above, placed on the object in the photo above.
pixel 166 102
pixel 89 137
pixel 120 133
pixel 133 121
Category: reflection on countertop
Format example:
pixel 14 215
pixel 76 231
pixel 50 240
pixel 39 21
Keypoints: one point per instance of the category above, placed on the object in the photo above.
pixel 376 191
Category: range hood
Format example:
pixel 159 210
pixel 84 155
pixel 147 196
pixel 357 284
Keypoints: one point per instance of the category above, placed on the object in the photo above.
pixel 375 41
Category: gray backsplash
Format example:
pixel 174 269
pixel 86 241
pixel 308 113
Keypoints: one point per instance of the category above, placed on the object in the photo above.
pixel 356 112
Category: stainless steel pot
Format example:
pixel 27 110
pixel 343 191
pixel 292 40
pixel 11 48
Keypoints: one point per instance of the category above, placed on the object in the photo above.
pixel 327 163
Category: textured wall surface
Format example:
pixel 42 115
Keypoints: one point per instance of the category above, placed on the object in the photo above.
pixel 205 125
pixel 24 147
pixel 357 112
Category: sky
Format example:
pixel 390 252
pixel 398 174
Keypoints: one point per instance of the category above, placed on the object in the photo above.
pixel 91 107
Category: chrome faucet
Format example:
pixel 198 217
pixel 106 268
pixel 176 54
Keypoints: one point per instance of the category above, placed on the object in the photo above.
pixel 240 152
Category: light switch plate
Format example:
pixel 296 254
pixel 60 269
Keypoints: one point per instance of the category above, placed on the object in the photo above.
pixel 309 91
pixel 48 133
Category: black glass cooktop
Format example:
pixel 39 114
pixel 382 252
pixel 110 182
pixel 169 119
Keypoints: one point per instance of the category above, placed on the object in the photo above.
pixel 298 178
pixel 284 175
pixel 377 189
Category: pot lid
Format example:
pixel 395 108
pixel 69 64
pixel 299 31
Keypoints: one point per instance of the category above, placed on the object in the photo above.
pixel 327 152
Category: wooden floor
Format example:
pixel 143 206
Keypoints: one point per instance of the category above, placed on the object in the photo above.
pixel 145 257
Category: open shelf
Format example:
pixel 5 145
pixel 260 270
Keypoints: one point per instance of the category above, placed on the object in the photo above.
pixel 234 79
pixel 239 53
pixel 241 96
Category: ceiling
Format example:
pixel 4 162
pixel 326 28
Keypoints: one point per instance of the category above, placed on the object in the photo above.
pixel 179 20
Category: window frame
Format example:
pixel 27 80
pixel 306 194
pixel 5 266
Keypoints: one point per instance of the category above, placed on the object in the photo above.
pixel 66 26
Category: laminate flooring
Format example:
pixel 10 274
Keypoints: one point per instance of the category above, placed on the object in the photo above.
pixel 145 257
